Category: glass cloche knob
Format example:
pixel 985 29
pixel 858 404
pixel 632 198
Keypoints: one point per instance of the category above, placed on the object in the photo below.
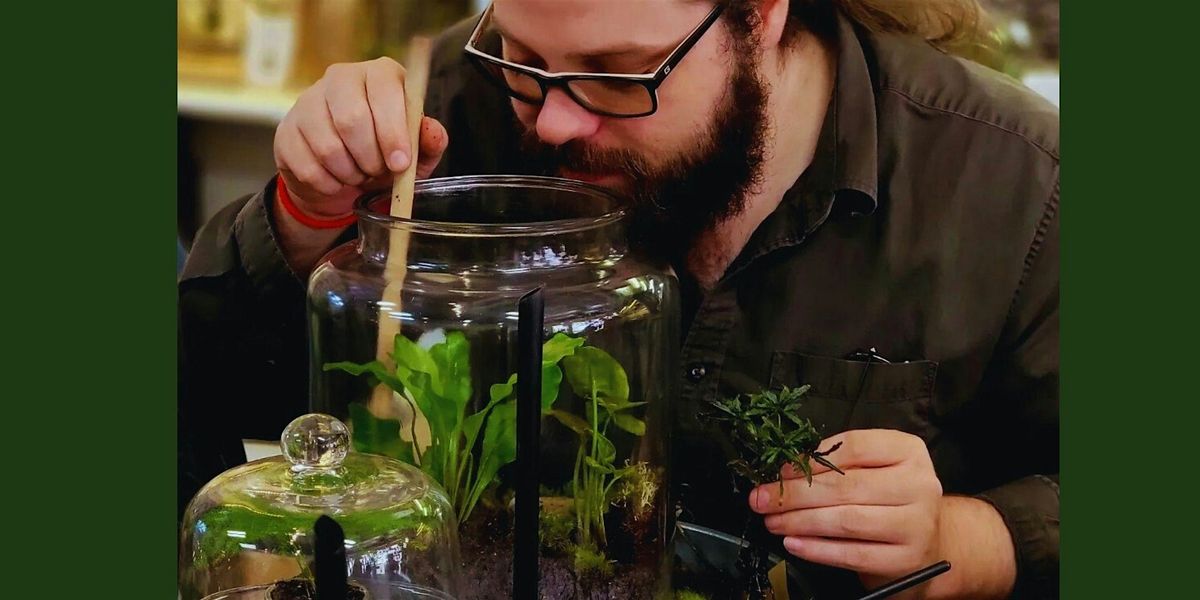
pixel 315 441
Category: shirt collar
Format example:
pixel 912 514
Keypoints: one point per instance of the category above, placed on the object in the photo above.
pixel 856 156
pixel 843 175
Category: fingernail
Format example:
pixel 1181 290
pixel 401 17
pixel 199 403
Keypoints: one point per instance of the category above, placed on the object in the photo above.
pixel 769 523
pixel 792 544
pixel 398 160
pixel 764 499
pixel 754 501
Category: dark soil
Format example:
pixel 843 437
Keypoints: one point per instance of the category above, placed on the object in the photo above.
pixel 487 553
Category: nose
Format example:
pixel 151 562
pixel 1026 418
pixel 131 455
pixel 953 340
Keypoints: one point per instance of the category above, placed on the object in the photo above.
pixel 561 119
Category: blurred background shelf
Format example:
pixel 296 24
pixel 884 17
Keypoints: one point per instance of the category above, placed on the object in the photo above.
pixel 231 103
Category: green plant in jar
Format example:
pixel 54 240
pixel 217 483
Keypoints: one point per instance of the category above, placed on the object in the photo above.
pixel 597 378
pixel 468 449
pixel 437 381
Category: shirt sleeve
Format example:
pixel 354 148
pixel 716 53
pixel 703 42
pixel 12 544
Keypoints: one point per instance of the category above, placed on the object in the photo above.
pixel 242 370
pixel 1023 388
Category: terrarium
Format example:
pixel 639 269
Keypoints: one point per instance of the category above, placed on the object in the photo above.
pixel 248 534
pixel 413 331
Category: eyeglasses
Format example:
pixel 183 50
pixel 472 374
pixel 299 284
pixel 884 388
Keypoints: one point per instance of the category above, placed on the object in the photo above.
pixel 606 94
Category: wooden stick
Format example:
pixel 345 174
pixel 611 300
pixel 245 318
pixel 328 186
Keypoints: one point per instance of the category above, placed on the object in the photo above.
pixel 416 79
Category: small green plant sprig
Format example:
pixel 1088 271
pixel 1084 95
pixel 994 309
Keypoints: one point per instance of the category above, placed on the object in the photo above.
pixel 768 433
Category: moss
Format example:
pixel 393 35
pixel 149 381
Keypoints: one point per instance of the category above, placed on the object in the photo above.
pixel 556 525
pixel 638 490
pixel 689 595
pixel 591 565
pixel 281 532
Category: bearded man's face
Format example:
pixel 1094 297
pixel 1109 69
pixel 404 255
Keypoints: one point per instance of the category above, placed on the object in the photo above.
pixel 684 168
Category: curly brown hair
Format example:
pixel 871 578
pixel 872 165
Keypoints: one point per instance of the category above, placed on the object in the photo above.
pixel 958 26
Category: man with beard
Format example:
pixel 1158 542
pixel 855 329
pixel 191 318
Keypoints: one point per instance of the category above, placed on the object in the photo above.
pixel 846 204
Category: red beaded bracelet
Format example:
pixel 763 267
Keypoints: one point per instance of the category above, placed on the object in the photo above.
pixel 285 200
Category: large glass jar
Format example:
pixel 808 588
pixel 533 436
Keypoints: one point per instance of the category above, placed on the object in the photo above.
pixel 413 333
pixel 248 534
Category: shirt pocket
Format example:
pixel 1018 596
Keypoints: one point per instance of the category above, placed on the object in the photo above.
pixel 848 394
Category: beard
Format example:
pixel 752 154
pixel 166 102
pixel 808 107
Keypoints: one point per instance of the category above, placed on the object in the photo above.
pixel 672 203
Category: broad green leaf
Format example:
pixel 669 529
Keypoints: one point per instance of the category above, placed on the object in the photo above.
pixel 441 414
pixel 471 426
pixel 592 369
pixel 629 423
pixel 472 423
pixel 407 354
pixel 374 367
pixel 572 422
pixel 558 347
pixel 551 380
pixel 452 358
pixel 499 441
pixel 371 434
pixel 615 406
pixel 433 461
pixel 500 391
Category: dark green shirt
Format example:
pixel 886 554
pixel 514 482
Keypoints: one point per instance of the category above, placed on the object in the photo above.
pixel 925 229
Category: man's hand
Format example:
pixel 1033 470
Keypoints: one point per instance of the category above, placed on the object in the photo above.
pixel 346 135
pixel 887 517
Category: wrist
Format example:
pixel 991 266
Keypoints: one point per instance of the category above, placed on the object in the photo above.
pixel 973 537
pixel 302 246
pixel 285 201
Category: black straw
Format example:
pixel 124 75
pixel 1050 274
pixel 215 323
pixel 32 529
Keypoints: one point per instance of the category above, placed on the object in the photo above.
pixel 530 321
pixel 910 580
pixel 329 548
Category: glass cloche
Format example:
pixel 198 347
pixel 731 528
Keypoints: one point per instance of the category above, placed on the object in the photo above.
pixel 249 532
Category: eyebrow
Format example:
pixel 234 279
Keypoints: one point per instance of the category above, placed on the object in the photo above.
pixel 620 51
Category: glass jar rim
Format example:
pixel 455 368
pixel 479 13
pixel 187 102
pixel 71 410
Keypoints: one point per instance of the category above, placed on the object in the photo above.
pixel 363 209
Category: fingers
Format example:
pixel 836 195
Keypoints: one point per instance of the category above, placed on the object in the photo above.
pixel 860 556
pixel 311 116
pixel 434 141
pixel 346 101
pixel 865 448
pixel 385 94
pixel 857 486
pixel 850 521
pixel 348 134
pixel 301 169
pixel 325 144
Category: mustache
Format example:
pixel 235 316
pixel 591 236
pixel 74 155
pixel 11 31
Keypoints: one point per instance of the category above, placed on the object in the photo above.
pixel 575 155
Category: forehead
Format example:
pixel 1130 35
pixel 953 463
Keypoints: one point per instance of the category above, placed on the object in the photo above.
pixel 594 26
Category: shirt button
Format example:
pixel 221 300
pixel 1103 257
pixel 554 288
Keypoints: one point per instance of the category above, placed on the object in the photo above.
pixel 697 372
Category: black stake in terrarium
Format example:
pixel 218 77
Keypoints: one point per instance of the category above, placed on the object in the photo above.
pixel 530 320
pixel 328 581
pixel 329 566
pixel 249 533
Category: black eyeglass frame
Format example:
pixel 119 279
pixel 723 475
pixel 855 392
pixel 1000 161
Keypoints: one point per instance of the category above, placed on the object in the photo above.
pixel 547 80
